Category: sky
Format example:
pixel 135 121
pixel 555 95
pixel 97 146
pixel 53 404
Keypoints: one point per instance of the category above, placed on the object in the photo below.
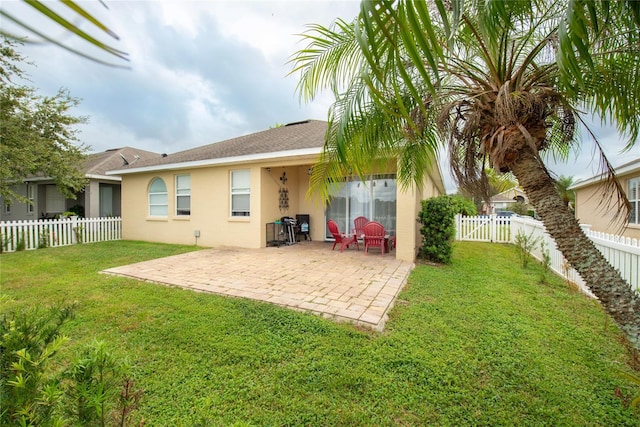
pixel 206 71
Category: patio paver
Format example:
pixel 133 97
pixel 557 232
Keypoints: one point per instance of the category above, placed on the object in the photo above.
pixel 351 286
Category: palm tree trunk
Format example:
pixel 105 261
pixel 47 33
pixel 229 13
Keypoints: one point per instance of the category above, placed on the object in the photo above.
pixel 616 296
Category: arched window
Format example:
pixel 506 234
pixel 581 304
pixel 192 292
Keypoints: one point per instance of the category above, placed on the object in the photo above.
pixel 158 198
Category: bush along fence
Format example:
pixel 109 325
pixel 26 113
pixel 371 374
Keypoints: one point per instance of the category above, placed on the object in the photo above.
pixel 27 235
pixel 622 252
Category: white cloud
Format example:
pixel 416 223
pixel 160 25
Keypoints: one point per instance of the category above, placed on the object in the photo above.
pixel 205 71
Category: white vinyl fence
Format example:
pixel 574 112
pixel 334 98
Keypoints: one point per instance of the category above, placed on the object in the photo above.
pixel 622 252
pixel 484 228
pixel 26 235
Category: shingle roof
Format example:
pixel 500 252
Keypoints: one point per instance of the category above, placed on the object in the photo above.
pixel 100 163
pixel 293 136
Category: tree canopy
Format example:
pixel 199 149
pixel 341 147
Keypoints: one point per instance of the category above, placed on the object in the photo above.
pixel 38 133
pixel 499 83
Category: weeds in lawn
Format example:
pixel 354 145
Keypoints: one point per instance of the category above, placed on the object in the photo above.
pixel 546 263
pixel 525 243
pixel 627 399
pixel 78 232
pixel 21 244
pixel 43 238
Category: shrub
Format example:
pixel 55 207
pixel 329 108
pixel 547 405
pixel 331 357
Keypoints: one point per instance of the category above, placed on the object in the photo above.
pixel 95 390
pixel 438 228
pixel 29 340
pixel 99 389
pixel 5 238
pixel 464 206
pixel 525 243
pixel 77 210
pixel 546 263
pixel 21 244
pixel 78 231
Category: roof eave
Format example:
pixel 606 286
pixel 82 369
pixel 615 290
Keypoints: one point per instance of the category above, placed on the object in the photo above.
pixel 219 161
pixel 103 177
pixel 628 168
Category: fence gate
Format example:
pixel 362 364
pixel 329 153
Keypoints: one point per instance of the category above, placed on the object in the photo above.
pixel 483 228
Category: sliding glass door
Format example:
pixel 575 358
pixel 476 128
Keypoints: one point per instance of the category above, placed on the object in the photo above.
pixel 374 198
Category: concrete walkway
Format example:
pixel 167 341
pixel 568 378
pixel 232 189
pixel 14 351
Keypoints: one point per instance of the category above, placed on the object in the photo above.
pixel 351 286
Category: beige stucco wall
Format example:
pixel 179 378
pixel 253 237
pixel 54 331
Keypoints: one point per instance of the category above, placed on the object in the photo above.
pixel 210 206
pixel 593 207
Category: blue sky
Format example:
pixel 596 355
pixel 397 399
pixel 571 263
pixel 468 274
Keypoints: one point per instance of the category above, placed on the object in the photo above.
pixel 206 71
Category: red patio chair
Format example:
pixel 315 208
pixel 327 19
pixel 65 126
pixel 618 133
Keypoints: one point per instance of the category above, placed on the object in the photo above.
pixel 375 236
pixel 344 239
pixel 358 225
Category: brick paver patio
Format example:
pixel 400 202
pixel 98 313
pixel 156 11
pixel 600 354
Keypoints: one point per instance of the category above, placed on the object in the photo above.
pixel 350 286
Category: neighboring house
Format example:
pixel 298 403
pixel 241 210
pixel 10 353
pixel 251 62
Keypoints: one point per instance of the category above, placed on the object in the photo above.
pixel 228 193
pixel 505 201
pixel 596 207
pixel 101 196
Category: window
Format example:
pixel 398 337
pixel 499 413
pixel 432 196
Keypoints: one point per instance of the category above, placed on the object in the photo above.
pixel 634 199
pixel 158 199
pixel 240 192
pixel 106 200
pixel 31 196
pixel 7 207
pixel 55 200
pixel 374 198
pixel 183 194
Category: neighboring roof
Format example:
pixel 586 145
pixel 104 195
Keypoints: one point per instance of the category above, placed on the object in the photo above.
pixel 630 167
pixel 508 195
pixel 100 163
pixel 307 136
pixel 96 165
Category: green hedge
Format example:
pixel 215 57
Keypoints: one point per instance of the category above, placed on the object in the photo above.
pixel 438 228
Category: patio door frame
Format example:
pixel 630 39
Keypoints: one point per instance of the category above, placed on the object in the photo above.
pixel 345 216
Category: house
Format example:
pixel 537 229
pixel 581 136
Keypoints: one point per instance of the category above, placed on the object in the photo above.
pixel 230 193
pixel 506 201
pixel 594 204
pixel 99 198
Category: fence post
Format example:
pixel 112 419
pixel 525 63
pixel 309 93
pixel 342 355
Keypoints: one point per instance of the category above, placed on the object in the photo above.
pixel 492 229
pixel 74 224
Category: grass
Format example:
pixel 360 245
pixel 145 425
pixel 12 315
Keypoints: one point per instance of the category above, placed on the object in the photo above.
pixel 478 342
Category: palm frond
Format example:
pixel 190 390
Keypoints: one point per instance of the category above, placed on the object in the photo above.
pixel 56 18
pixel 329 60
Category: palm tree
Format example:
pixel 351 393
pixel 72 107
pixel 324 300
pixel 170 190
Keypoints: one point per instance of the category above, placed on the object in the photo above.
pixel 562 187
pixel 500 83
pixel 489 185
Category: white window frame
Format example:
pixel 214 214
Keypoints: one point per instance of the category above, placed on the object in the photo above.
pixel 633 196
pixel 239 191
pixel 155 204
pixel 183 192
pixel 31 196
pixel 7 207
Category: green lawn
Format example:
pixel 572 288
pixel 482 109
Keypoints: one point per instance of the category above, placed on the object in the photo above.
pixel 479 342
